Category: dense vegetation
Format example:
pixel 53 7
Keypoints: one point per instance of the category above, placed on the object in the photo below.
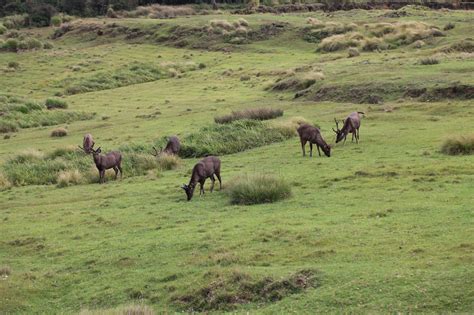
pixel 383 226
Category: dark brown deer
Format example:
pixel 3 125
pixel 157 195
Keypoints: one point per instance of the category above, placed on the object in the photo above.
pixel 104 162
pixel 206 168
pixel 87 143
pixel 351 125
pixel 172 147
pixel 313 135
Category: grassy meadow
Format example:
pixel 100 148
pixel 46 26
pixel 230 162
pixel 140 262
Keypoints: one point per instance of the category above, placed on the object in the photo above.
pixel 380 227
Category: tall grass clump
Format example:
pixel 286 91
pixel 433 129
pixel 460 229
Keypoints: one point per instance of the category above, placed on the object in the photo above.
pixel 121 310
pixel 59 132
pixel 262 113
pixel 137 164
pixel 428 61
pixel 458 145
pixel 8 126
pixel 4 182
pixel 258 188
pixel 340 42
pixel 69 178
pixel 297 81
pixel 167 161
pixel 52 103
pixel 289 127
pixel 237 136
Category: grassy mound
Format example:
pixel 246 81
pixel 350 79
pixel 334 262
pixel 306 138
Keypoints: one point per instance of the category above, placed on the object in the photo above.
pixel 227 291
pixel 230 138
pixel 458 145
pixel 132 74
pixel 20 113
pixel 258 188
pixel 253 113
pixel 296 81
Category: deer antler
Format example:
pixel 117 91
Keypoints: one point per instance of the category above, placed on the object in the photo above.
pixel 156 152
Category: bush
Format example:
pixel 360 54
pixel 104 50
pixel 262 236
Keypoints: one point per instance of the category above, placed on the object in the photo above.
pixel 428 61
pixel 352 52
pixel 33 43
pixel 449 26
pixel 8 126
pixel 297 82
pixel 69 178
pixel 254 113
pixel 4 182
pixel 11 45
pixel 136 164
pixel 288 128
pixel 3 29
pixel 121 310
pixel 48 45
pixel 257 188
pixel 59 132
pixel 339 42
pixel 168 161
pixel 52 103
pixel 13 64
pixel 41 14
pixel 372 44
pixel 56 20
pixel 461 46
pixel 458 145
pixel 230 138
pixel 28 155
pixel 16 21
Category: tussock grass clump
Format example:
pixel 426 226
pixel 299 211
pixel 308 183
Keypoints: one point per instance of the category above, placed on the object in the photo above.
pixel 3 29
pixel 157 11
pixel 352 52
pixel 59 132
pixel 225 291
pixel 257 188
pixel 373 44
pixel 428 61
pixel 5 271
pixel 137 164
pixel 13 64
pixel 458 145
pixel 121 310
pixel 8 126
pixel 297 81
pixel 28 155
pixel 52 103
pixel 263 113
pixel 318 30
pixel 4 182
pixel 237 136
pixel 224 24
pixel 69 178
pixel 168 161
pixel 449 26
pixel 288 127
pixel 340 42
pixel 460 46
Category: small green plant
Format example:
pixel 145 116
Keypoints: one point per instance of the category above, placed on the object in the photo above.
pixel 59 132
pixel 52 103
pixel 458 145
pixel 258 188
pixel 428 61
pixel 56 20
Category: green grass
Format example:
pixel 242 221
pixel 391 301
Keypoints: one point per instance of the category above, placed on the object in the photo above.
pixel 385 226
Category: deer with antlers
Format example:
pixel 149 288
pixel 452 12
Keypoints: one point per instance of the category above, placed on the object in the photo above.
pixel 172 147
pixel 104 162
pixel 206 168
pixel 351 125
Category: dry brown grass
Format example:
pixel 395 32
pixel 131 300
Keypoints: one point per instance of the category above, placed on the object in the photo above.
pixel 157 11
pixel 59 132
pixel 340 42
pixel 458 145
pixel 4 182
pixel 121 310
pixel 263 113
pixel 69 178
pixel 168 161
pixel 288 127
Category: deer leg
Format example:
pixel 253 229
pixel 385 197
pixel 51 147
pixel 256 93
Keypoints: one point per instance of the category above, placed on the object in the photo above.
pixel 120 169
pixel 102 176
pixel 345 138
pixel 319 152
pixel 218 174
pixel 303 143
pixel 201 184
pixel 212 182
pixel 116 171
pixel 353 137
pixel 310 149
pixel 358 134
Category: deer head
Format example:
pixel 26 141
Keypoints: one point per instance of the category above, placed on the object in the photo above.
pixel 189 190
pixel 96 152
pixel 339 133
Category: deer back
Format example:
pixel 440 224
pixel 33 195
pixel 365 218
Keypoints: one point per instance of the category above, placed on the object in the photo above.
pixel 108 160
pixel 173 145
pixel 308 133
pixel 207 167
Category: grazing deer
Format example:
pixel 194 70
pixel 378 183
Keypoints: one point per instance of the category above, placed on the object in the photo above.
pixel 313 135
pixel 172 147
pixel 351 125
pixel 87 143
pixel 207 167
pixel 104 162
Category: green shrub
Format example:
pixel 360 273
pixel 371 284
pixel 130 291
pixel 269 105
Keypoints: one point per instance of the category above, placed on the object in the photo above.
pixel 11 44
pixel 28 155
pixel 254 113
pixel 48 45
pixel 449 26
pixel 428 61
pixel 458 145
pixel 16 21
pixel 33 43
pixel 52 103
pixel 13 64
pixel 136 164
pixel 4 182
pixel 22 45
pixel 8 126
pixel 257 188
pixel 56 20
pixel 230 138
pixel 3 29
pixel 59 132
pixel 39 172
